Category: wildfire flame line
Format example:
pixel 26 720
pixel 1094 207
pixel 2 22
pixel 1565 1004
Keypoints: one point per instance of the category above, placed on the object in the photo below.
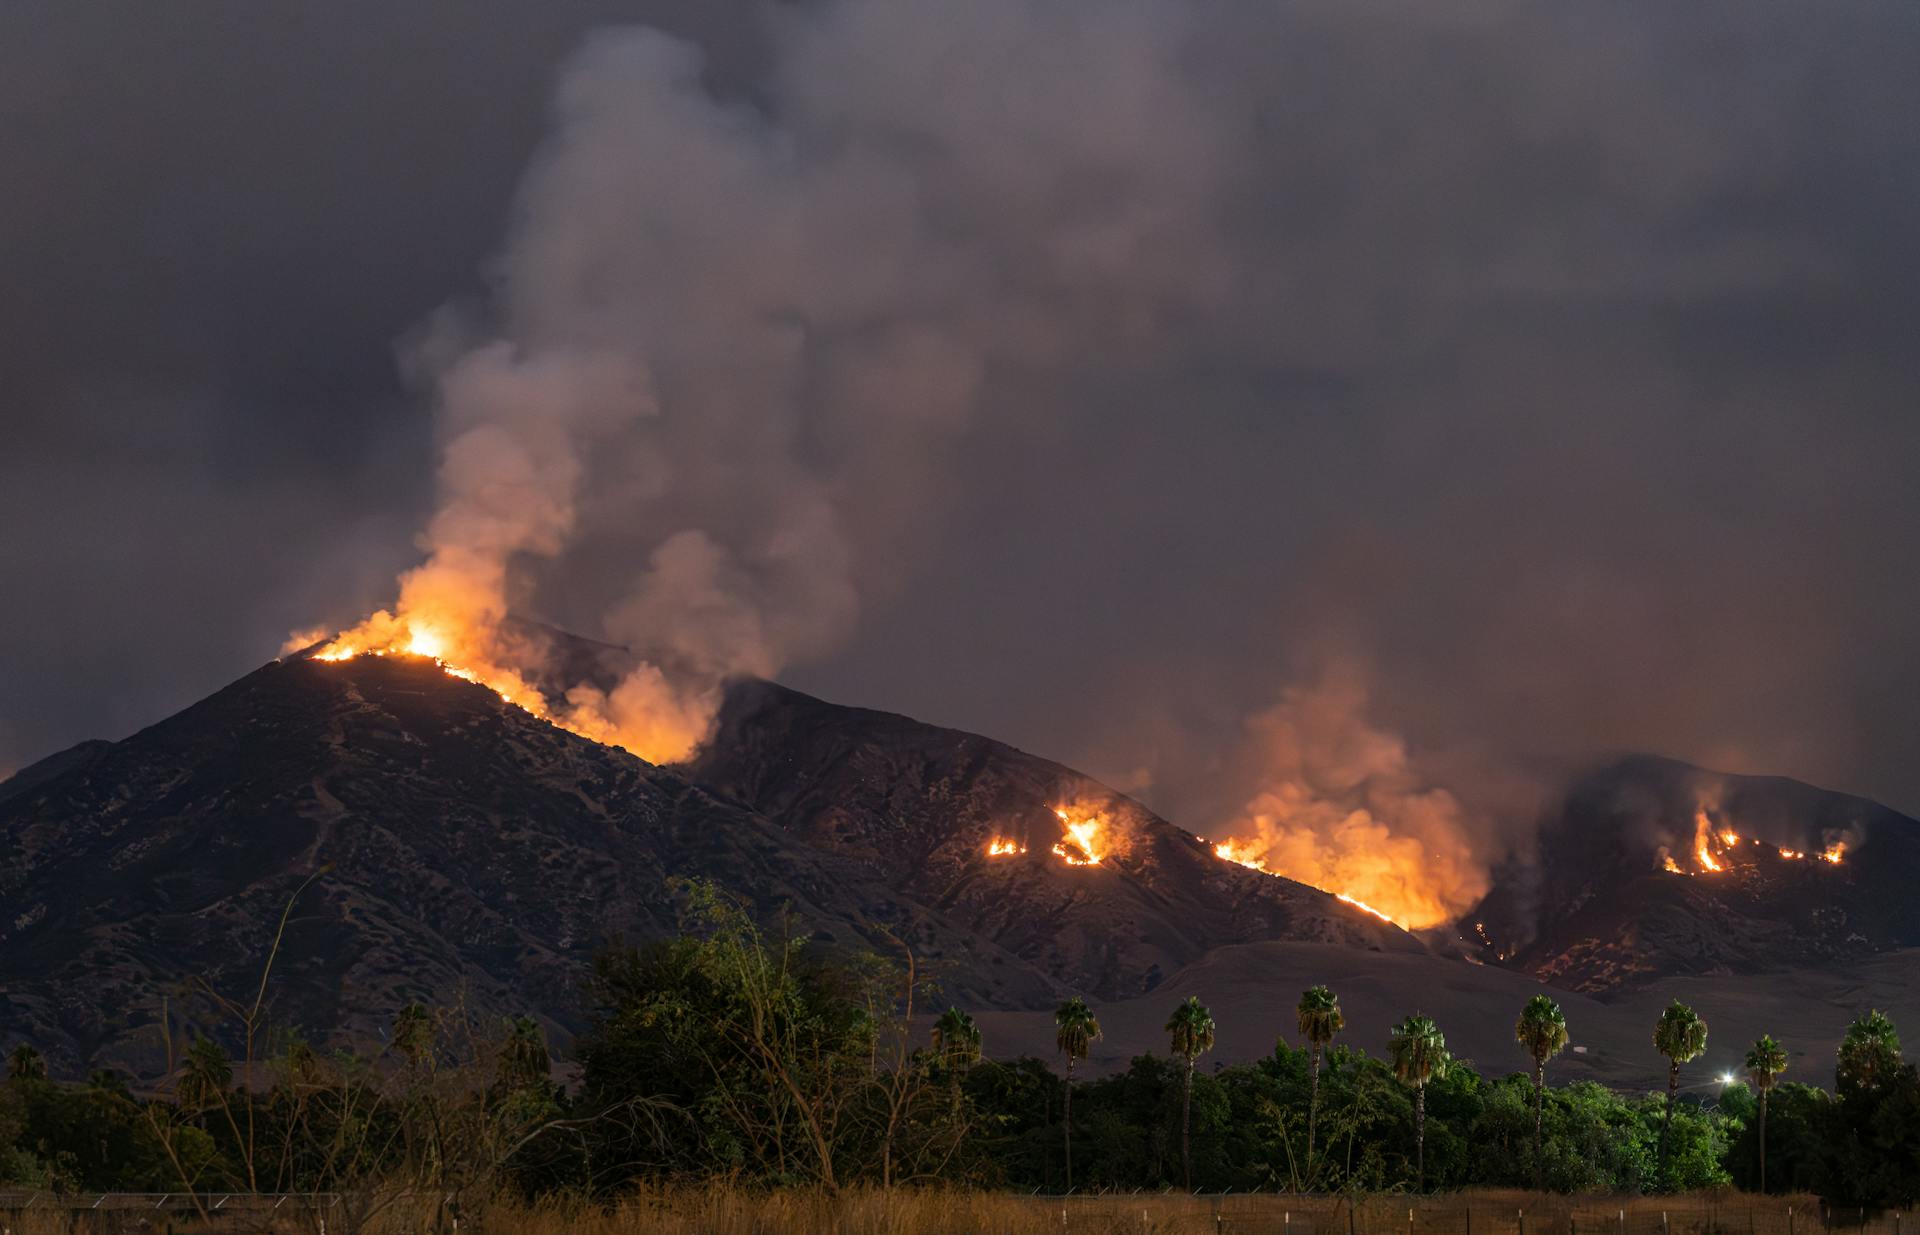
pixel 1714 849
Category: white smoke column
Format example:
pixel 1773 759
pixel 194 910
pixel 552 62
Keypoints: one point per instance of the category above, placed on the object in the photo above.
pixel 730 342
pixel 1334 801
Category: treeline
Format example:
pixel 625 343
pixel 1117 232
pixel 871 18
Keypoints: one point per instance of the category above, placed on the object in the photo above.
pixel 726 1053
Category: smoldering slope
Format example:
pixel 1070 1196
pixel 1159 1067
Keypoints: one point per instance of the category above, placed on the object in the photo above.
pixel 1329 424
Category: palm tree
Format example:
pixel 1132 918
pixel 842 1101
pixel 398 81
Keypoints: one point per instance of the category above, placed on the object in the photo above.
pixel 524 1061
pixel 1869 1054
pixel 413 1035
pixel 956 1044
pixel 1191 1027
pixel 26 1064
pixel 205 1075
pixel 1320 1019
pixel 1765 1062
pixel 1419 1054
pixel 1074 1032
pixel 1681 1036
pixel 1542 1030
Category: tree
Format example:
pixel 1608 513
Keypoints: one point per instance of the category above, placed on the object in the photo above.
pixel 1320 1019
pixel 524 1062
pixel 1542 1031
pixel 413 1034
pixel 1419 1054
pixel 956 1044
pixel 205 1076
pixel 1191 1028
pixel 1075 1030
pixel 1765 1062
pixel 1869 1055
pixel 1681 1036
pixel 26 1064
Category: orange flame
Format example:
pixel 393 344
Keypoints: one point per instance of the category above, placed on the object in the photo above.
pixel 1669 864
pixel 1703 839
pixel 1000 847
pixel 466 645
pixel 1088 841
pixel 1834 852
pixel 1359 904
pixel 1234 851
pixel 1793 855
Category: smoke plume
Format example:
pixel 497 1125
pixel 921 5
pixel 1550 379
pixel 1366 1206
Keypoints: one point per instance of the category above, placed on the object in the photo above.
pixel 729 341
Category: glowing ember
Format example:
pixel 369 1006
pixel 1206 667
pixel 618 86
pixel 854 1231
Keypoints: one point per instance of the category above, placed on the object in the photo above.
pixel 1792 855
pixel 1000 847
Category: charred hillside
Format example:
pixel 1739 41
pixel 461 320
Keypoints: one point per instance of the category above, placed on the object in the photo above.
pixel 462 849
pixel 1626 891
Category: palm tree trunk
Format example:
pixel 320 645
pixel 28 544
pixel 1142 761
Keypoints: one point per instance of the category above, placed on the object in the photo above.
pixel 1666 1122
pixel 1186 1126
pixel 1763 1142
pixel 1539 1097
pixel 1067 1122
pixel 1420 1138
pixel 1313 1105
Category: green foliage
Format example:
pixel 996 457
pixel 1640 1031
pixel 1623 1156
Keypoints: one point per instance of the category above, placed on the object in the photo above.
pixel 728 1053
pixel 1190 1029
pixel 1319 1016
pixel 1869 1055
pixel 1075 1029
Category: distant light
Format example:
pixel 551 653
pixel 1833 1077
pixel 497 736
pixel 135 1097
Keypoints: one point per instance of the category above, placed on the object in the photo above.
pixel 1726 1078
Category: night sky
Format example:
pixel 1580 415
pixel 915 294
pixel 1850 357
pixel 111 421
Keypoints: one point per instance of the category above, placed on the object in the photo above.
pixel 1473 388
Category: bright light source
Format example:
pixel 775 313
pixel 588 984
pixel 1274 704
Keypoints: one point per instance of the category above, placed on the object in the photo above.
pixel 1726 1078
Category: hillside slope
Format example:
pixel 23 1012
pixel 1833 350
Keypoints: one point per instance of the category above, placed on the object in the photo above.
pixel 462 849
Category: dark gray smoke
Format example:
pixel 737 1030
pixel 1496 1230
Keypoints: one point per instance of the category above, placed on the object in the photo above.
pixel 1092 375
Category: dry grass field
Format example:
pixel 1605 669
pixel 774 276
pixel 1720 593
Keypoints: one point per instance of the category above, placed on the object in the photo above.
pixel 731 1211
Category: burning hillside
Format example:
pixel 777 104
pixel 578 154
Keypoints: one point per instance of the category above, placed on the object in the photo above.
pixel 1718 847
pixel 1654 868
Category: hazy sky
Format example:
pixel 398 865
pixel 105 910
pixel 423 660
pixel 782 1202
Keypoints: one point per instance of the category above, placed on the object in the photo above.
pixel 1544 380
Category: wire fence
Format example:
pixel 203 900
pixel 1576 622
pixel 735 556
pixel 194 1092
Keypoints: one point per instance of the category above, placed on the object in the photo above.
pixel 1112 1213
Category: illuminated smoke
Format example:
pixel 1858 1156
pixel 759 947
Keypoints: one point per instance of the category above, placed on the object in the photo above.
pixel 1339 803
pixel 706 406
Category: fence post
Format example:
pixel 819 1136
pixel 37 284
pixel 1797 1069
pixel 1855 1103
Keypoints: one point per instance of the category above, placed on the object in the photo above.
pixel 1623 1222
pixel 1789 1220
pixel 1663 1222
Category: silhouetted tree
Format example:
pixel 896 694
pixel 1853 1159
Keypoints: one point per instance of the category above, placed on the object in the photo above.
pixel 1681 1036
pixel 1075 1030
pixel 1320 1019
pixel 1542 1032
pixel 1191 1029
pixel 1419 1054
pixel 1765 1062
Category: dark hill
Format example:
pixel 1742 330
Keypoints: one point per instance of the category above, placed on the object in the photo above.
pixel 1600 911
pixel 471 851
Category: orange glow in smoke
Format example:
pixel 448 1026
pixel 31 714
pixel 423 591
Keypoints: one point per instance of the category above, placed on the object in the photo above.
pixel 1233 851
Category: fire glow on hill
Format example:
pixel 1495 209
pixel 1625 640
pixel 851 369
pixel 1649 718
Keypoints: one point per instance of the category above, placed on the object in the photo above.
pixel 1718 848
pixel 483 652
